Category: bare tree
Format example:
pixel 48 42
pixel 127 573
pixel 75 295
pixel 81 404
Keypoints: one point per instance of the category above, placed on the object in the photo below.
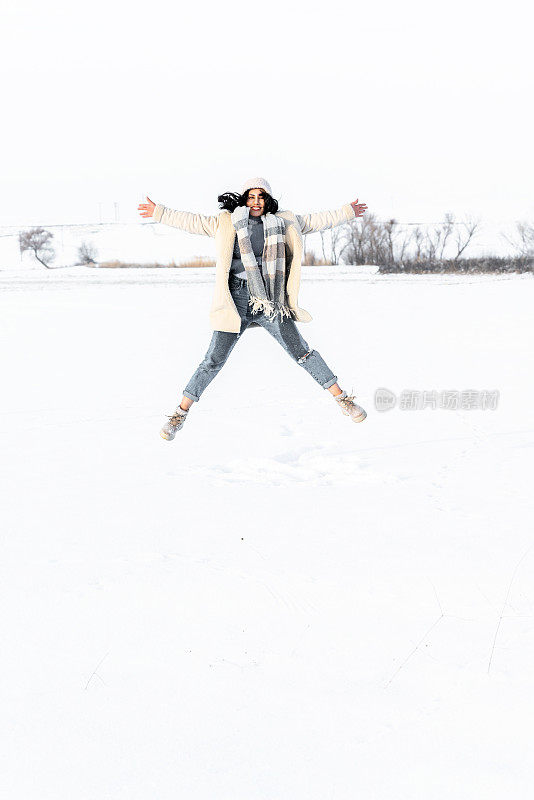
pixel 396 247
pixel 331 244
pixel 391 231
pixel 447 227
pixel 336 243
pixel 418 239
pixel 431 241
pixel 87 253
pixel 402 248
pixel 435 239
pixel 322 233
pixel 524 240
pixel 366 241
pixel 463 237
pixel 39 242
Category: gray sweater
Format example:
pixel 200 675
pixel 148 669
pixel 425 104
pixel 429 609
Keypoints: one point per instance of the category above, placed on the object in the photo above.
pixel 255 231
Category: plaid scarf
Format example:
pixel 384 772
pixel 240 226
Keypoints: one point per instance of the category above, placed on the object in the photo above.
pixel 266 289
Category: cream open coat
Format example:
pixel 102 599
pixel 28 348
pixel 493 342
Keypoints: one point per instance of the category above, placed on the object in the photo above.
pixel 223 314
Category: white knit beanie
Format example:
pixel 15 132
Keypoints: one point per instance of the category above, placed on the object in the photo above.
pixel 257 183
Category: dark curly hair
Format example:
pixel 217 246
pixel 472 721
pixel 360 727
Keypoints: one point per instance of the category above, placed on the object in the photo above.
pixel 231 200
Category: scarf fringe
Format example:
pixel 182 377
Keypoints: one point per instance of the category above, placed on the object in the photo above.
pixel 269 308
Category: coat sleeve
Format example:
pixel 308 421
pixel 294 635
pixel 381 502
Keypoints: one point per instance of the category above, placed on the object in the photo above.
pixel 187 221
pixel 322 220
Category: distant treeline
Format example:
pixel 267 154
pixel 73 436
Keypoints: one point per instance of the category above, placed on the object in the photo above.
pixel 395 247
pixel 463 265
pixel 388 244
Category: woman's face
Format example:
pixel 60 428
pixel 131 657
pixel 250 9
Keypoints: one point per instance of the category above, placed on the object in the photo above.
pixel 256 202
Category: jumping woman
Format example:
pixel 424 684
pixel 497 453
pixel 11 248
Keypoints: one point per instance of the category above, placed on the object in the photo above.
pixel 257 279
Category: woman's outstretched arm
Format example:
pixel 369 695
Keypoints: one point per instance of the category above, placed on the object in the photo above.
pixel 322 220
pixel 187 221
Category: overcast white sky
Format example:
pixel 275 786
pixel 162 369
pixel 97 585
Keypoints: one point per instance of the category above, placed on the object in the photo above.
pixel 413 107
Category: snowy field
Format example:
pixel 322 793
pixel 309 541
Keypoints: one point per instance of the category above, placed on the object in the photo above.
pixel 280 604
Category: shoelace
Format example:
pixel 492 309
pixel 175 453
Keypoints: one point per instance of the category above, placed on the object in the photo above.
pixel 176 417
pixel 347 400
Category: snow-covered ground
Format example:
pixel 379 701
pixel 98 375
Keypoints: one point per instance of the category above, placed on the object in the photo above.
pixel 280 604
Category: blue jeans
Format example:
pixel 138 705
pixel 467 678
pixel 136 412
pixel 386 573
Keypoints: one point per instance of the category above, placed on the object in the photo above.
pixel 284 331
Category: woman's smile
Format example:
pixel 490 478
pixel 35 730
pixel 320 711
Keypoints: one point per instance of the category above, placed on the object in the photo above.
pixel 256 202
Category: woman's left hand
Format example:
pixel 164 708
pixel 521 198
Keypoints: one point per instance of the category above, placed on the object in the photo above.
pixel 359 208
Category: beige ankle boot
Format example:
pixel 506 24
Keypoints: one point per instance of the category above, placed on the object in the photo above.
pixel 349 407
pixel 174 424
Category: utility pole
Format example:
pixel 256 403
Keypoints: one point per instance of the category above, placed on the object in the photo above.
pixel 116 211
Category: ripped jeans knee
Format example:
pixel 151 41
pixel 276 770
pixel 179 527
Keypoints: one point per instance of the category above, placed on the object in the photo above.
pixel 303 358
pixel 314 364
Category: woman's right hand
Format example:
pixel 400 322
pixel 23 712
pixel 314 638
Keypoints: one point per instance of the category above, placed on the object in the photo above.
pixel 146 209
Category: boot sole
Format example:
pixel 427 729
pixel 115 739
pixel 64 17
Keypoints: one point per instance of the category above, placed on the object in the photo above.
pixel 359 418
